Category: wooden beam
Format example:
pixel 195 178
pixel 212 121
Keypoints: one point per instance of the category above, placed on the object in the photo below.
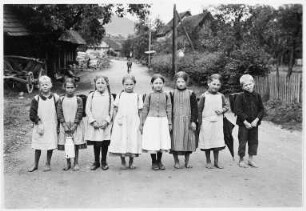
pixel 180 20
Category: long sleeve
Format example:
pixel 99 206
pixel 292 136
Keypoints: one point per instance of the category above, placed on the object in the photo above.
pixel 145 109
pixel 225 104
pixel 33 111
pixel 194 107
pixel 79 113
pixel 60 113
pixel 239 108
pixel 111 112
pixel 169 108
pixel 200 108
pixel 261 108
pixel 88 108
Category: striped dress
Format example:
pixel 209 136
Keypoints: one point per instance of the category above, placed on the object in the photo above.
pixel 183 138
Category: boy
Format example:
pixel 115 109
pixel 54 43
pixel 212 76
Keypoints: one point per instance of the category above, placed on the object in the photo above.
pixel 250 111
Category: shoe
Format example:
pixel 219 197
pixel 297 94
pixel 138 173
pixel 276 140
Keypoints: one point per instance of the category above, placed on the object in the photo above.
pixel 95 166
pixel 161 166
pixel 104 166
pixel 155 166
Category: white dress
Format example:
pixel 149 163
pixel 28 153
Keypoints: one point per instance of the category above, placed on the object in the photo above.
pixel 211 132
pixel 47 114
pixel 70 106
pixel 97 109
pixel 126 137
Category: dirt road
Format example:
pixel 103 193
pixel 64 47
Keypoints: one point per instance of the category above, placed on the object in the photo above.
pixel 277 183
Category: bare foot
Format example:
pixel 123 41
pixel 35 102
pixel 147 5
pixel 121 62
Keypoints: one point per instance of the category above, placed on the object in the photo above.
pixel 47 168
pixel 132 166
pixel 188 166
pixel 66 168
pixel 252 164
pixel 123 167
pixel 76 167
pixel 219 167
pixel 177 166
pixel 209 166
pixel 242 164
pixel 33 168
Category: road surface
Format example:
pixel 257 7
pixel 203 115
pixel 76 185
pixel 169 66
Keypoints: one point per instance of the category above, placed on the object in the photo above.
pixel 276 183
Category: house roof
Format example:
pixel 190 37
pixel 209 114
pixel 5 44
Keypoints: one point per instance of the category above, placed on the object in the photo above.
pixel 12 25
pixel 72 36
pixel 168 27
pixel 196 20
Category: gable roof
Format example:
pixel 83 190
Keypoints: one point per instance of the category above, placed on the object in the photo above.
pixel 197 20
pixel 12 25
pixel 72 36
pixel 168 27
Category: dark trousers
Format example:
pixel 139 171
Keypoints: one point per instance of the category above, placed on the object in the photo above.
pixel 103 148
pixel 249 136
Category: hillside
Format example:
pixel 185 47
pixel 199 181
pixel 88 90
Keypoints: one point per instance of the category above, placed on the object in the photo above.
pixel 122 26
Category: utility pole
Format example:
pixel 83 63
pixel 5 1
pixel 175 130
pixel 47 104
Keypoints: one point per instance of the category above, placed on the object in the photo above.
pixel 174 66
pixel 149 58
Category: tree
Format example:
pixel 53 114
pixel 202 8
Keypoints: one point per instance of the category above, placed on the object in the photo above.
pixel 87 19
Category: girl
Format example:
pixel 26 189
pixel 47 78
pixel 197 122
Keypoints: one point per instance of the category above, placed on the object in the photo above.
pixel 184 114
pixel 43 115
pixel 126 137
pixel 99 110
pixel 212 105
pixel 70 114
pixel 156 122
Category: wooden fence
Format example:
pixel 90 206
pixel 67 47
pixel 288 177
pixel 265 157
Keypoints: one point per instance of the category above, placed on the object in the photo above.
pixel 286 89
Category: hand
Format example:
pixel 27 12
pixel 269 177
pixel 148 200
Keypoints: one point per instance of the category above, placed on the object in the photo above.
pixel 219 112
pixel 95 125
pixel 193 126
pixel 247 124
pixel 104 124
pixel 66 128
pixel 73 128
pixel 40 129
pixel 255 122
pixel 170 128
pixel 141 128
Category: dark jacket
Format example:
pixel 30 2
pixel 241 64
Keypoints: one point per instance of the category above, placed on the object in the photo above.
pixel 78 115
pixel 248 107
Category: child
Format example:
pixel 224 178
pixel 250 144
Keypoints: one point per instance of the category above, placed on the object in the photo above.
pixel 126 137
pixel 129 65
pixel 212 105
pixel 156 122
pixel 43 115
pixel 70 114
pixel 184 114
pixel 99 110
pixel 250 111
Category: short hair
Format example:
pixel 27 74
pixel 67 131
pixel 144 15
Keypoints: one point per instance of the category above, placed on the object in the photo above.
pixel 214 77
pixel 128 76
pixel 70 80
pixel 45 79
pixel 156 76
pixel 245 78
pixel 183 75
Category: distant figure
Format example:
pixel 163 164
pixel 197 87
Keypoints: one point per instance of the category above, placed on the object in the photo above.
pixel 129 65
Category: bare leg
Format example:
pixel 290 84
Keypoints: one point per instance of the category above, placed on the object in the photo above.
pixel 36 161
pixel 176 160
pixel 131 161
pixel 242 164
pixel 187 156
pixel 68 165
pixel 216 159
pixel 208 161
pixel 49 156
pixel 76 166
pixel 123 163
